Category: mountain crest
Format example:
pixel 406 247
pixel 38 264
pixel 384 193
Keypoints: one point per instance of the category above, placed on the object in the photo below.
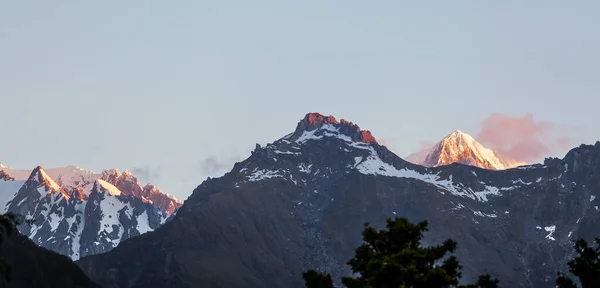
pixel 101 186
pixel 460 147
pixel 129 185
pixel 41 178
pixel 316 121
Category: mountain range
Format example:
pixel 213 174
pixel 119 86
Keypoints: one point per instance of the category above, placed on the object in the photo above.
pixel 76 212
pixel 300 203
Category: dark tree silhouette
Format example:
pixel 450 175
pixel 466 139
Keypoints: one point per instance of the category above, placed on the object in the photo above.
pixel 586 266
pixel 315 279
pixel 393 257
pixel 8 226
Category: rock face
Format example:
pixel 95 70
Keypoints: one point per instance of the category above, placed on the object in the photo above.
pixel 460 147
pixel 300 203
pixel 66 223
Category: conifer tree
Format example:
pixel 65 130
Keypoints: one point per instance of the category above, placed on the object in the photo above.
pixel 586 266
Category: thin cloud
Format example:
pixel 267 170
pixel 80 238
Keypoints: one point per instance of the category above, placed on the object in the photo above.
pixel 147 174
pixel 419 156
pixel 213 165
pixel 521 138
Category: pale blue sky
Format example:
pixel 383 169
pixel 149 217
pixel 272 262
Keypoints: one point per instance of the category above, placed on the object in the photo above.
pixel 167 84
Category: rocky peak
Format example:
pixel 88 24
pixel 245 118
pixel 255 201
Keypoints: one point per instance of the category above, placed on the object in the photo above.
pixel 129 185
pixel 4 176
pixel 163 201
pixel 125 182
pixel 40 178
pixel 110 175
pixel 313 121
pixel 584 157
pixel 316 121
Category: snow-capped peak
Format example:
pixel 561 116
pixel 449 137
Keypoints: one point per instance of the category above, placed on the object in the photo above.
pixel 460 147
pixel 39 176
pixel 2 166
pixel 102 186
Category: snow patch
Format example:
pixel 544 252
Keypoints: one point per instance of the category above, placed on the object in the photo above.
pixel 479 213
pixel 304 168
pixel 550 229
pixel 258 175
pixel 287 152
pixel 373 165
pixel 143 225
pixel 110 207
pixel 308 135
pixel 54 221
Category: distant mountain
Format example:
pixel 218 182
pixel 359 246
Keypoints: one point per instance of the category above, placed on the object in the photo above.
pixel 83 213
pixel 300 203
pixel 73 179
pixel 130 185
pixel 460 147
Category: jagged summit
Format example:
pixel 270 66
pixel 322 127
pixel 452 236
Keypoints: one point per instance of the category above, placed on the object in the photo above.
pixel 130 186
pixel 316 121
pixel 42 180
pixel 5 176
pixel 460 147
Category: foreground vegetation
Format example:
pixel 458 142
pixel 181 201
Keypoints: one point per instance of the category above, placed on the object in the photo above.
pixel 394 258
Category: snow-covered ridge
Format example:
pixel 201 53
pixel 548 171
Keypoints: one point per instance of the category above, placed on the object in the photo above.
pixel 460 147
pixel 371 163
pixel 104 186
pixel 42 177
